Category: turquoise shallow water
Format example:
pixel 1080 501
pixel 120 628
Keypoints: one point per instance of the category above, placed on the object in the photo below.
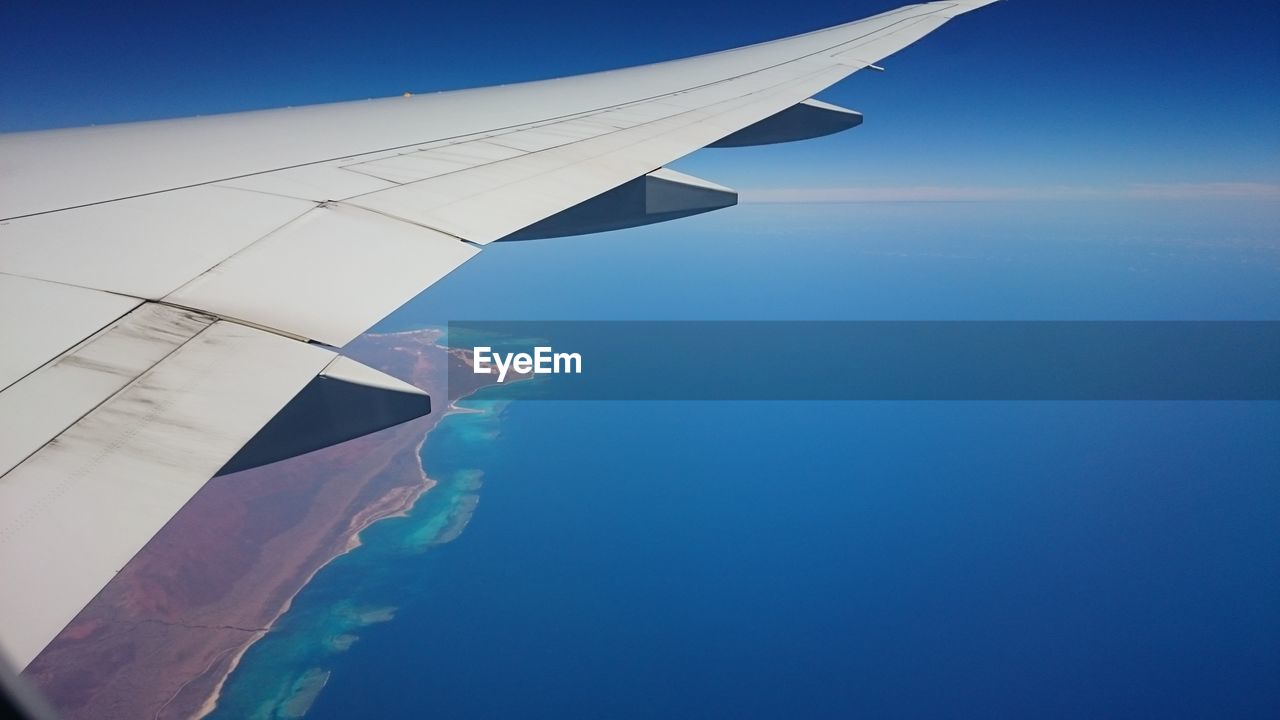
pixel 281 674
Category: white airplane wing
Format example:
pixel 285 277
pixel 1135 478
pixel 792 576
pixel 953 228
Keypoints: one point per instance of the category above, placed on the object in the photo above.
pixel 173 291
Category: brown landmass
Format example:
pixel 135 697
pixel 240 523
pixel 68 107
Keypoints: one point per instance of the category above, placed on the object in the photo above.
pixel 160 639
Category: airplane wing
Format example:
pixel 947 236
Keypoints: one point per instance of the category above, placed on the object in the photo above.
pixel 174 291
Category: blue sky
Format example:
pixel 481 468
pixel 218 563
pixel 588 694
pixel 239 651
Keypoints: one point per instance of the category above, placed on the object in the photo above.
pixel 1059 97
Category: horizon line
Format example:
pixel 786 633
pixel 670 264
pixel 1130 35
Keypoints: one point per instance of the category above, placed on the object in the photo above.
pixel 982 193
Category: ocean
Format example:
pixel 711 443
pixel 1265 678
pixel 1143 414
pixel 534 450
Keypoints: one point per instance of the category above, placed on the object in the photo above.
pixel 825 559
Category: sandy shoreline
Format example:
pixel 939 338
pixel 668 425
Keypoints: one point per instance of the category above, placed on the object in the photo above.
pixel 388 507
pixel 162 638
pixel 397 503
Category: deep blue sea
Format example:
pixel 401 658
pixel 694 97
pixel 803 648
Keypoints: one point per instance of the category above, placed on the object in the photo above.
pixel 825 559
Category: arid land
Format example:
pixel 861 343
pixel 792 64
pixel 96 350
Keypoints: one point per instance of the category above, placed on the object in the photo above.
pixel 161 638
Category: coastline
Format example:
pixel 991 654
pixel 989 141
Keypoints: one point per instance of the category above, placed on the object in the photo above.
pixel 373 515
pixel 162 639
pixel 211 702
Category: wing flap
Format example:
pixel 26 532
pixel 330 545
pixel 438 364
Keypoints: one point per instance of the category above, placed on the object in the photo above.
pixel 43 319
pixel 75 511
pixel 36 409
